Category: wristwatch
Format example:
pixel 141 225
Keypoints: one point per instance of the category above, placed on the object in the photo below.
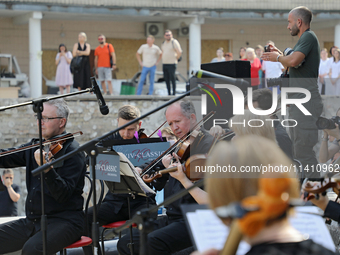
pixel 277 58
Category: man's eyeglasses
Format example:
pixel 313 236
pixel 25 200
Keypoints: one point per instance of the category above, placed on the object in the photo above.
pixel 100 39
pixel 45 119
pixel 9 178
pixel 167 34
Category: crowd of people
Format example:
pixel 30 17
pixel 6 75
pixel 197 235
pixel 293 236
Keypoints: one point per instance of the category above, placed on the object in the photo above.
pixel 256 206
pixel 148 56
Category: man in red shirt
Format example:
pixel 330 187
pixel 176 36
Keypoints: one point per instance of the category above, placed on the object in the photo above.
pixel 102 64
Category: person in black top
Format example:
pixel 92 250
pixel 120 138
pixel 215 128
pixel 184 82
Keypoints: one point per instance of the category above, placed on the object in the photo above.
pixel 10 196
pixel 81 78
pixel 115 206
pixel 63 190
pixel 174 237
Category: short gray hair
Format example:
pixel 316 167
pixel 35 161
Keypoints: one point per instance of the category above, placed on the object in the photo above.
pixel 62 108
pixel 187 107
pixel 8 171
pixel 303 13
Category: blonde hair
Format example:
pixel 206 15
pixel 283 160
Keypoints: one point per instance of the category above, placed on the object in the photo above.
pixel 84 35
pixel 168 130
pixel 251 50
pixel 250 151
pixel 261 126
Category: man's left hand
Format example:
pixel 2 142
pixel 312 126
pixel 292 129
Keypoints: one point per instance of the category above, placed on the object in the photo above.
pixel 37 158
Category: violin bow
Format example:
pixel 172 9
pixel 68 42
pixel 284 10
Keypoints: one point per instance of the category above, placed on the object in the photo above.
pixel 183 138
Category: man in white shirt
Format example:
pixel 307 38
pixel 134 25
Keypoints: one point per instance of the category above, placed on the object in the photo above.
pixel 152 54
pixel 272 69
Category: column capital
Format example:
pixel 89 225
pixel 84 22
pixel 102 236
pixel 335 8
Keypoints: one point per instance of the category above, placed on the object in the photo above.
pixel 23 19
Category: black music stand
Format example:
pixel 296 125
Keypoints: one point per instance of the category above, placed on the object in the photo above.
pixel 130 183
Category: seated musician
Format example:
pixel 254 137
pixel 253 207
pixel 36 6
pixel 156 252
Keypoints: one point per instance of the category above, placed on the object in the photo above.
pixel 267 230
pixel 331 151
pixel 115 206
pixel 63 190
pixel 174 237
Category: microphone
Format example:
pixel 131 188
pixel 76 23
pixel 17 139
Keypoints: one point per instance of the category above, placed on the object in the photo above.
pixel 241 83
pixel 95 89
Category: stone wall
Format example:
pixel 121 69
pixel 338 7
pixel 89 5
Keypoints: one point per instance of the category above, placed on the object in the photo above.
pixel 18 126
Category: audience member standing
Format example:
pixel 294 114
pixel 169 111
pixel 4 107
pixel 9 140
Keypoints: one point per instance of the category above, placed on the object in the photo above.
pixel 324 88
pixel 255 66
pixel 219 54
pixel 228 56
pixel 10 196
pixel 102 64
pixel 171 53
pixel 259 51
pixel 81 78
pixel 243 53
pixel 272 69
pixel 151 54
pixel 334 73
pixel 331 51
pixel 63 77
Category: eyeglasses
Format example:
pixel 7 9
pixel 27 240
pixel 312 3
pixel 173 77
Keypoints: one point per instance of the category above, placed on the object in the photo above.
pixel 167 34
pixel 9 178
pixel 100 39
pixel 46 119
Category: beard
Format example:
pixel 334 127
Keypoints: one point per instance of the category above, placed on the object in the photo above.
pixel 101 42
pixel 295 30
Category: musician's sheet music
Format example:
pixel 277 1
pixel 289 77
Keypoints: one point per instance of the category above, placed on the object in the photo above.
pixel 127 169
pixel 208 230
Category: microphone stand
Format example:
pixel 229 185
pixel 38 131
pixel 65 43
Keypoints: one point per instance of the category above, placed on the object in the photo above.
pixel 90 148
pixel 38 108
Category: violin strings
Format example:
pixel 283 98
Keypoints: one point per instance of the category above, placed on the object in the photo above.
pixel 181 140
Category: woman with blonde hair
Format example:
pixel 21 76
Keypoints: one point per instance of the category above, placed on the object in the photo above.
pixel 255 66
pixel 263 200
pixel 81 77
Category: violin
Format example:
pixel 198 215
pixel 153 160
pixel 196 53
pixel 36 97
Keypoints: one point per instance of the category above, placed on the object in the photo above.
pixel 183 150
pixel 312 191
pixel 54 148
pixel 48 142
pixel 189 167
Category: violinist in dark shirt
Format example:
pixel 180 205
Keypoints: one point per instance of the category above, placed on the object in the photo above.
pixel 174 237
pixel 63 190
pixel 115 206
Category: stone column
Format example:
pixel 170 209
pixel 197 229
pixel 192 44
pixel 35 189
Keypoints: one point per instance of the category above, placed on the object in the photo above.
pixel 195 44
pixel 35 54
pixel 337 35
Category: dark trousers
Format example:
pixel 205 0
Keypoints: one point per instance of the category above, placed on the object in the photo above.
pixel 162 241
pixel 106 215
pixel 24 234
pixel 305 135
pixel 169 72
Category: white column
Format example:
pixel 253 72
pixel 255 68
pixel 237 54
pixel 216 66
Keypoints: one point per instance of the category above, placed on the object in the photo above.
pixel 195 45
pixel 337 35
pixel 35 54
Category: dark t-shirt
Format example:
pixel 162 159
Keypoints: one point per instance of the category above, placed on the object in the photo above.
pixel 7 206
pixel 307 74
pixel 307 247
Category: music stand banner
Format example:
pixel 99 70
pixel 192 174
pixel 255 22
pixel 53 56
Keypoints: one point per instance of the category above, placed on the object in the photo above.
pixel 107 166
pixel 140 153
